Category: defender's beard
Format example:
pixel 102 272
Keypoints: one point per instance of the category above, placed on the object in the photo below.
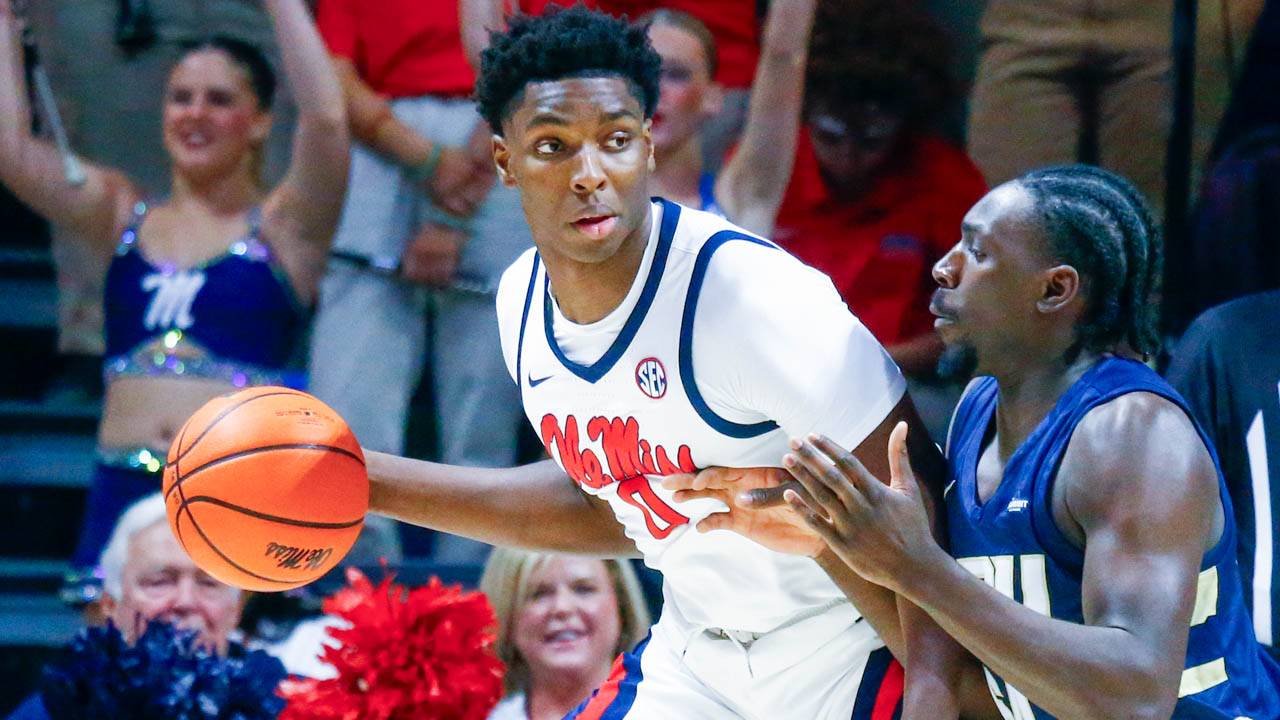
pixel 958 363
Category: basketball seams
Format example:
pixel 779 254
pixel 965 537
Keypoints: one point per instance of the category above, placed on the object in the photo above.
pixel 182 453
pixel 217 521
pixel 180 478
pixel 316 524
pixel 177 476
pixel 228 560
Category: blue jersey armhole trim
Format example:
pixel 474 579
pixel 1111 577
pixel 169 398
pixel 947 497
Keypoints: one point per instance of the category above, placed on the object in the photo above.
pixel 597 370
pixel 719 424
pixel 524 321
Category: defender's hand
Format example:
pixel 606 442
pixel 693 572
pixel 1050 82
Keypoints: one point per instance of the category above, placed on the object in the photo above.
pixel 756 511
pixel 881 531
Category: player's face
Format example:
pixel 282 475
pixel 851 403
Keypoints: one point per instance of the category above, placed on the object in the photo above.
pixel 580 152
pixel 688 95
pixel 988 284
pixel 851 150
pixel 568 618
pixel 211 116
pixel 161 583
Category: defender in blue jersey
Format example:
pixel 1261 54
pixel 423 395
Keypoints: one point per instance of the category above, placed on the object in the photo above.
pixel 1092 567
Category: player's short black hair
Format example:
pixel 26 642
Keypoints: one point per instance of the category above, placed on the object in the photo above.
pixel 564 43
pixel 247 57
pixel 1098 223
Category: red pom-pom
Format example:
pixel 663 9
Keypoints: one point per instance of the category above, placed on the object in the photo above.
pixel 425 654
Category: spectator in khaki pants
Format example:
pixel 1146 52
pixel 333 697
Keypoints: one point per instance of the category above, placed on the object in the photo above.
pixel 1061 81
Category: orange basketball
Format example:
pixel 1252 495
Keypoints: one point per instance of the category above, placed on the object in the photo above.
pixel 266 488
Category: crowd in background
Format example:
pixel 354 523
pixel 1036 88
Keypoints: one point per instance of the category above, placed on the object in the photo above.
pixel 829 126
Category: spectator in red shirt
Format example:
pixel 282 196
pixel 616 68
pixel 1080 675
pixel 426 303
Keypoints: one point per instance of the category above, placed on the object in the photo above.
pixel 875 195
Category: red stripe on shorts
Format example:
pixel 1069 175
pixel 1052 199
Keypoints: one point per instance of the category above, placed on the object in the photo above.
pixel 606 693
pixel 890 694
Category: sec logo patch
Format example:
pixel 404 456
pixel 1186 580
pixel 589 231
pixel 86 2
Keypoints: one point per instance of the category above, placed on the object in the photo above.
pixel 651 378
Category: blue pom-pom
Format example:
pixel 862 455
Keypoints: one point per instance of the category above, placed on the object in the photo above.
pixel 166 675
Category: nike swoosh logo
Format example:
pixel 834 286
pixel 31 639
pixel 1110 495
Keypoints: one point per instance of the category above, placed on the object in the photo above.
pixel 539 381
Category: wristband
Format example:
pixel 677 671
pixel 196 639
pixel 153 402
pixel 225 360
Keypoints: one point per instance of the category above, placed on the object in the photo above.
pixel 423 171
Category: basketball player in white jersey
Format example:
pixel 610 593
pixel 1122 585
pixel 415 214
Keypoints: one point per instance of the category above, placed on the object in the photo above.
pixel 650 339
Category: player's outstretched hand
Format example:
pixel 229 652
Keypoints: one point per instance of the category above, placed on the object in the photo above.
pixel 756 506
pixel 881 531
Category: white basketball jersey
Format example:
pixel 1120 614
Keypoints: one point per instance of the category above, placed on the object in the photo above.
pixel 725 348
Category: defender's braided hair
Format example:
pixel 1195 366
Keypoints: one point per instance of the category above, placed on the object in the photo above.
pixel 1098 222
pixel 564 43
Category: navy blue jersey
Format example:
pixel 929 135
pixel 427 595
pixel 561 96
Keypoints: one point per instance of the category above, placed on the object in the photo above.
pixel 1012 542
pixel 1227 366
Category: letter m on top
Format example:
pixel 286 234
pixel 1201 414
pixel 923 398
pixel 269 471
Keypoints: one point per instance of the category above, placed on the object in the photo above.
pixel 621 442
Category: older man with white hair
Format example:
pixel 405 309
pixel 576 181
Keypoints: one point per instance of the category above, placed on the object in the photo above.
pixel 148 576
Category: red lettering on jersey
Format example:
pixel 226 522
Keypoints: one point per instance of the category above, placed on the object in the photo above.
pixel 637 492
pixel 629 458
pixel 582 466
pixel 624 451
pixel 666 467
pixel 622 446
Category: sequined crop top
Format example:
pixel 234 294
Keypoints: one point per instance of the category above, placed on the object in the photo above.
pixel 233 318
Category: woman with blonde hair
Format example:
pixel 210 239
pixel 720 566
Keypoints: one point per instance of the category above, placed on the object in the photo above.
pixel 562 620
pixel 210 289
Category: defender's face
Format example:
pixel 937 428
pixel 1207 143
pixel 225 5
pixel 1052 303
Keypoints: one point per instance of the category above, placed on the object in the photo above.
pixel 580 151
pixel 988 284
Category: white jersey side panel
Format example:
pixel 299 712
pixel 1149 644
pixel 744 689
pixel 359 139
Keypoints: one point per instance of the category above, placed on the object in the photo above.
pixel 733 347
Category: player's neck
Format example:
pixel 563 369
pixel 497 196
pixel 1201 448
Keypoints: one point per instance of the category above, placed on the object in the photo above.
pixel 1029 392
pixel 678 176
pixel 588 291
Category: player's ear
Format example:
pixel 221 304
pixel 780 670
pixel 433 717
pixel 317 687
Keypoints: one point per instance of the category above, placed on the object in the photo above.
pixel 502 161
pixel 1061 288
